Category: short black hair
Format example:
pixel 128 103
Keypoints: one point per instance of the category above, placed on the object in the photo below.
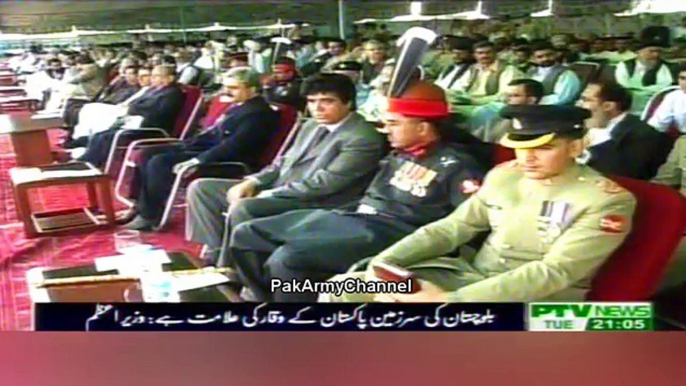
pixel 285 60
pixel 614 92
pixel 53 60
pixel 84 59
pixel 682 68
pixel 524 48
pixel 131 67
pixel 483 44
pixel 337 84
pixel 532 87
pixel 542 45
pixel 140 55
pixel 168 59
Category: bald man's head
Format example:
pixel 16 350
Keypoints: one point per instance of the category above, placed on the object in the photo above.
pixel 163 75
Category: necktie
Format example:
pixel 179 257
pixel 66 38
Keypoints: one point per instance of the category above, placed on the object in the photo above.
pixel 318 137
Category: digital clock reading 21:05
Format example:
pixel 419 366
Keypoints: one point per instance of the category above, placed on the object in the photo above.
pixel 591 316
pixel 619 324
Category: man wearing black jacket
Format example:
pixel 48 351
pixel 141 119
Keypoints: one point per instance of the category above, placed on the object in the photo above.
pixel 619 143
pixel 241 134
pixel 158 107
pixel 284 87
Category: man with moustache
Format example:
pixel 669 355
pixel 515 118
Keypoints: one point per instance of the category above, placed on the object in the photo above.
pixel 461 51
pixel 552 222
pixel 561 86
pixel 242 134
pixel 619 143
pixel 284 85
pixel 41 84
pixel 647 73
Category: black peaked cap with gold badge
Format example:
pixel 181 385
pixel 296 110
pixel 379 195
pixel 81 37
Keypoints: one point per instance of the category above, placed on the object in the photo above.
pixel 348 65
pixel 537 125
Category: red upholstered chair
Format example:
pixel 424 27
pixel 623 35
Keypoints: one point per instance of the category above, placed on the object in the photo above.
pixel 502 154
pixel 215 109
pixel 634 271
pixel 184 122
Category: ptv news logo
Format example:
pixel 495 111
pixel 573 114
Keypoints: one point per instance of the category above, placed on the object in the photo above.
pixel 590 317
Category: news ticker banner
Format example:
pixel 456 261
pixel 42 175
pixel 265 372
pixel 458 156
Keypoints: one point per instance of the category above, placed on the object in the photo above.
pixel 343 317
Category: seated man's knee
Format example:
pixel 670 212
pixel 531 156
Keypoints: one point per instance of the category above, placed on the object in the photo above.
pixel 240 236
pixel 156 163
pixel 240 212
pixel 195 191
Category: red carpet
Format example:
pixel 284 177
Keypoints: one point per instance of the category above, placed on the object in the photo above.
pixel 17 254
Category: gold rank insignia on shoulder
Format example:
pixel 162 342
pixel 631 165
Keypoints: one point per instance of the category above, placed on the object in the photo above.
pixel 609 186
pixel 413 178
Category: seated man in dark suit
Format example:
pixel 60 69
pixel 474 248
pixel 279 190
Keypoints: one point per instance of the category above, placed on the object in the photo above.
pixel 122 88
pixel 619 143
pixel 158 107
pixel 329 163
pixel 241 134
pixel 424 179
pixel 284 86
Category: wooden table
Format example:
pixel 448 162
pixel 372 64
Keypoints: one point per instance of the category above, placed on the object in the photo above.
pixel 29 136
pixel 114 291
pixel 69 221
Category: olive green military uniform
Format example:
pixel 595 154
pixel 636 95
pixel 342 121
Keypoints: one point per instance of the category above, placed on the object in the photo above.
pixel 548 238
pixel 673 171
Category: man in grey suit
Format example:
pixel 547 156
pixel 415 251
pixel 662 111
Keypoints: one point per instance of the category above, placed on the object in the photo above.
pixel 330 163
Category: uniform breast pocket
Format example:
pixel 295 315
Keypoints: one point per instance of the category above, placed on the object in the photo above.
pixel 495 215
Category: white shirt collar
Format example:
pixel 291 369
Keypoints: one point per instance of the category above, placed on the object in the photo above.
pixel 333 127
pixel 614 121
pixel 597 136
pixel 544 70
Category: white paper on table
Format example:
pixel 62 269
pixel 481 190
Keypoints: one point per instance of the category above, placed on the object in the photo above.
pixel 199 280
pixel 133 262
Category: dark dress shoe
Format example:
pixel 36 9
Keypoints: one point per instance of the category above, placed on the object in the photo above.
pixel 74 143
pixel 127 217
pixel 140 223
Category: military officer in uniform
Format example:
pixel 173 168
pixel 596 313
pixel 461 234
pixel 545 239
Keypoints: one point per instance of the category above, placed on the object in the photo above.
pixel 284 85
pixel 552 224
pixel 422 180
